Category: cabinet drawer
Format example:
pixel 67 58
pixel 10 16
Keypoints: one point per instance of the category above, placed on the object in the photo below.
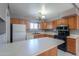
pixel 51 52
pixel 71 45
pixel 44 54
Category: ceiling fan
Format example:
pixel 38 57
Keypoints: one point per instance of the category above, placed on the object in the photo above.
pixel 74 4
pixel 41 14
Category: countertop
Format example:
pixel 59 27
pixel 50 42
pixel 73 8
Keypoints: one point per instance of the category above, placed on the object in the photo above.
pixel 50 33
pixel 29 47
pixel 30 35
pixel 42 32
pixel 75 36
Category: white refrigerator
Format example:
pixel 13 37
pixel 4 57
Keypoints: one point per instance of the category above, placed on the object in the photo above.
pixel 18 32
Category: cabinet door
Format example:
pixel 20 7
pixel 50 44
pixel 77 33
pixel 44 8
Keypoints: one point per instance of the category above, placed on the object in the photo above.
pixel 59 22
pixel 62 21
pixel 14 21
pixel 46 53
pixel 77 22
pixel 71 45
pixel 51 52
pixel 39 35
pixel 49 25
pixel 22 21
pixel 72 22
pixel 43 35
pixel 54 24
pixel 17 21
pixel 50 36
pixel 43 25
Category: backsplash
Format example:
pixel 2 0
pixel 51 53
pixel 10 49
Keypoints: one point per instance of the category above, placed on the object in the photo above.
pixel 75 32
pixel 40 30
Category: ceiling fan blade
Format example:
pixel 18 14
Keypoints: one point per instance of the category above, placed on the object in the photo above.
pixel 75 6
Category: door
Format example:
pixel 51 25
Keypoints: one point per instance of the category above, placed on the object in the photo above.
pixel 19 32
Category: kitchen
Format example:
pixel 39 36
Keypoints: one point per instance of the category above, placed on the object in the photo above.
pixel 43 31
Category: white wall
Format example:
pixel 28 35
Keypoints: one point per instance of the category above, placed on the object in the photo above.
pixel 3 7
pixel 3 15
pixel 8 26
pixel 65 13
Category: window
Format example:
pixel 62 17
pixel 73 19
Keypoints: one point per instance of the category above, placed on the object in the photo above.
pixel 33 25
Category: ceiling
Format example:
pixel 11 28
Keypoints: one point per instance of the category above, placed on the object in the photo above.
pixel 30 10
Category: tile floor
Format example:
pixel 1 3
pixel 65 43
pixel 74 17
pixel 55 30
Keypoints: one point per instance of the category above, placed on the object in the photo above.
pixel 62 53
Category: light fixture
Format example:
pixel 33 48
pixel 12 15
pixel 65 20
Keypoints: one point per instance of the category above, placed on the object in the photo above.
pixel 42 13
pixel 43 17
pixel 43 10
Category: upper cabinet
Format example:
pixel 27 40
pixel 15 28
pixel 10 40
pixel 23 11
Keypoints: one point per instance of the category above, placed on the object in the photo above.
pixel 15 21
pixel 72 22
pixel 77 22
pixel 62 21
pixel 58 22
pixel 43 25
pixel 18 21
pixel 54 24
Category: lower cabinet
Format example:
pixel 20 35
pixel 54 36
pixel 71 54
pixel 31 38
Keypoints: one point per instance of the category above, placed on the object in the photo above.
pixel 42 35
pixel 39 35
pixel 51 52
pixel 71 45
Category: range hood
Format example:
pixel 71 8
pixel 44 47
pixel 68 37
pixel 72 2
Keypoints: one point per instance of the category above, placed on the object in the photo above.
pixel 2 26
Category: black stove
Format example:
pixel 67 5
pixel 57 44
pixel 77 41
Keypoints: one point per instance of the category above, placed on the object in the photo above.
pixel 63 32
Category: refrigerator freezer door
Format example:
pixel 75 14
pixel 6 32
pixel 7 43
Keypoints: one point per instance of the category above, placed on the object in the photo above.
pixel 19 32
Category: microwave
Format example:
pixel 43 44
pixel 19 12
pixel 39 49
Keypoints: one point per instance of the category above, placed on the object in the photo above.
pixel 64 28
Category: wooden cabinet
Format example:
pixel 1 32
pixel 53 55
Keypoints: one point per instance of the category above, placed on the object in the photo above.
pixel 39 35
pixel 43 25
pixel 77 22
pixel 18 21
pixel 42 35
pixel 49 25
pixel 62 21
pixel 15 21
pixel 72 22
pixel 71 45
pixel 54 24
pixel 51 52
pixel 46 53
pixel 22 21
